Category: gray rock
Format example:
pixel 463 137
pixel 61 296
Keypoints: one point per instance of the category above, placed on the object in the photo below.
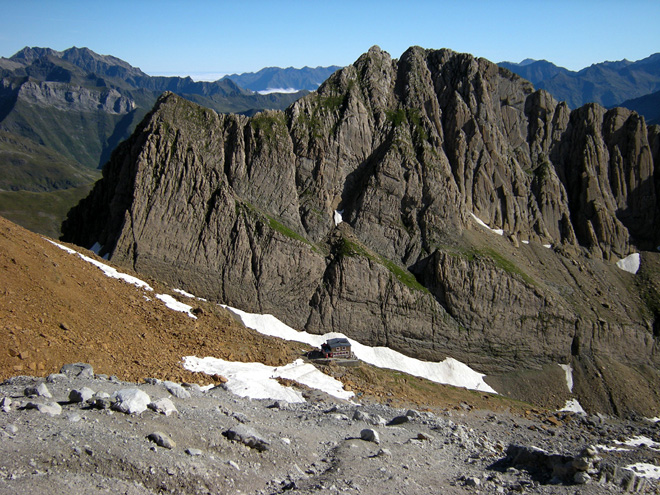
pixel 50 408
pixel 56 377
pixel 360 415
pixel 78 370
pixel 194 452
pixel 472 481
pixel 5 404
pixel 131 401
pixel 39 391
pixel 370 435
pixel 581 478
pixel 384 453
pixel 163 406
pixel 398 420
pixel 100 402
pixel 162 440
pixel 247 436
pixel 82 395
pixel 176 390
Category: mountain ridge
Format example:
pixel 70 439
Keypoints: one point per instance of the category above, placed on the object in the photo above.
pixel 408 150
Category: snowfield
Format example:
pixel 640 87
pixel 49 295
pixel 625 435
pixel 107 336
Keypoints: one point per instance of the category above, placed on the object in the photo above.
pixel 448 372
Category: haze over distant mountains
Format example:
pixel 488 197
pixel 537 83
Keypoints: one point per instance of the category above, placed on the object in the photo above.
pixel 608 83
pixel 271 79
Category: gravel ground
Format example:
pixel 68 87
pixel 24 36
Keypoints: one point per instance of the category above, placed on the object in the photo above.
pixel 322 445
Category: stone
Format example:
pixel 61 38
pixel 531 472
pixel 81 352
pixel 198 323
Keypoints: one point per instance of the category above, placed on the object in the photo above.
pixel 78 370
pixel 56 377
pixel 398 420
pixel 5 404
pixel 247 436
pixel 360 415
pixel 50 408
pixel 39 391
pixel 370 435
pixel 82 395
pixel 472 481
pixel 581 478
pixel 131 401
pixel 163 406
pixel 176 390
pixel 162 440
pixel 193 452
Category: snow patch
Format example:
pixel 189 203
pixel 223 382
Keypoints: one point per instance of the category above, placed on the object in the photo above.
pixel 258 381
pixel 547 246
pixel 338 217
pixel 645 470
pixel 172 303
pixel 483 224
pixel 106 269
pixel 449 372
pixel 572 405
pixel 569 375
pixel 630 263
pixel 184 293
pixel 640 441
pixel 525 242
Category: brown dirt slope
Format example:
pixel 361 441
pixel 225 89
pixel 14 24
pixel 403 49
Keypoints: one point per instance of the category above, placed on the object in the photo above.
pixel 56 308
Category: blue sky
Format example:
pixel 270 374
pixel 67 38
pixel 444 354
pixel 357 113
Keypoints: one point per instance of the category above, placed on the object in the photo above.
pixel 219 37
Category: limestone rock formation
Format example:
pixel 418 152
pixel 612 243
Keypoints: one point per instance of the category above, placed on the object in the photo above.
pixel 415 153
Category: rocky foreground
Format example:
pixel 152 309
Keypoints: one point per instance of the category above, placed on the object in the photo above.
pixel 76 432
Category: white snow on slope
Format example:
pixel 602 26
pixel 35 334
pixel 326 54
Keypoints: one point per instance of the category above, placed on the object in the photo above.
pixel 106 269
pixel 569 375
pixel 338 217
pixel 175 305
pixel 630 263
pixel 572 405
pixel 111 272
pixel 640 441
pixel 449 371
pixel 483 224
pixel 645 470
pixel 257 381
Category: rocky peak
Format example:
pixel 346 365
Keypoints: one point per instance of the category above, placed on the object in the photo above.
pixel 415 153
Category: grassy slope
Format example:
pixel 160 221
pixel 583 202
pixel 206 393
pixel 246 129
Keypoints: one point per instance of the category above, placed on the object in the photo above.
pixel 41 212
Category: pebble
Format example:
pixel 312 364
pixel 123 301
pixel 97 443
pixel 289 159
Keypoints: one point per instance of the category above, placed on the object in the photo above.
pixel 39 391
pixel 370 435
pixel 247 436
pixel 82 395
pixel 176 390
pixel 131 401
pixel 78 370
pixel 162 440
pixel 163 406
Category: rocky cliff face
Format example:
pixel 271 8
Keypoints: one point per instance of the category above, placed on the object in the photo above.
pixel 62 96
pixel 414 152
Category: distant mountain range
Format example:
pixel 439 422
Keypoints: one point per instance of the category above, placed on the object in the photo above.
pixel 62 114
pixel 608 83
pixel 272 79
